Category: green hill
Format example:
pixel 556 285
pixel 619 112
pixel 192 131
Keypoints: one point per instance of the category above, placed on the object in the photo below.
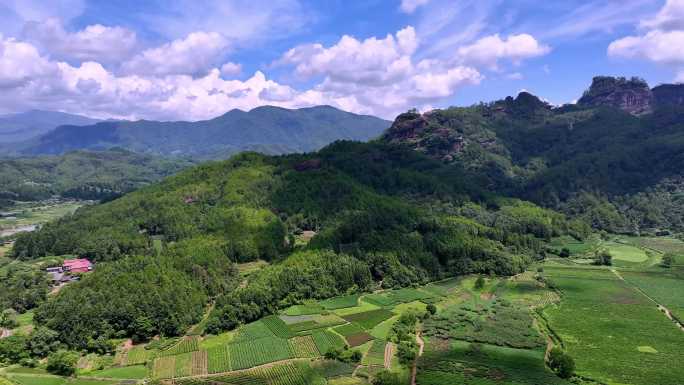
pixel 381 214
pixel 82 174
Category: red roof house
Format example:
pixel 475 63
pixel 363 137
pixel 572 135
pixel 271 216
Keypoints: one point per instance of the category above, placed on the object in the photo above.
pixel 77 265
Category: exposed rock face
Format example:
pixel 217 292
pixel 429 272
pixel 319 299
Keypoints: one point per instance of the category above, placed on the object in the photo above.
pixel 630 95
pixel 669 95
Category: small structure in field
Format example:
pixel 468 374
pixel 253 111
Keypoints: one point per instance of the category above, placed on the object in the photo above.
pixel 77 265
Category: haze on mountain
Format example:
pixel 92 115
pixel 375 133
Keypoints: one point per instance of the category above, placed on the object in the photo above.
pixel 19 127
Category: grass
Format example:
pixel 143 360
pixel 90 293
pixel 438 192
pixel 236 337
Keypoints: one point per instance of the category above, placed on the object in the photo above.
pixel 332 368
pixel 340 302
pixel 382 329
pixel 126 373
pixel 395 297
pixel 348 329
pixel 43 380
pixel 368 320
pixel 305 309
pixel 626 253
pixel 360 308
pixel 211 342
pixel 139 355
pixel 603 321
pixel 376 353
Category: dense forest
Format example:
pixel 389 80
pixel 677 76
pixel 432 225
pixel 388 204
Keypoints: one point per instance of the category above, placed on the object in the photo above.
pixel 96 175
pixel 383 215
pixel 617 170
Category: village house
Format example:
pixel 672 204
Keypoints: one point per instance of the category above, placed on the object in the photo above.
pixel 65 273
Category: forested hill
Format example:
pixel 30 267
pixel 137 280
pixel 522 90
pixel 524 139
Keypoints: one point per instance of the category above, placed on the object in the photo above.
pixel 82 174
pixel 382 215
pixel 270 130
pixel 615 158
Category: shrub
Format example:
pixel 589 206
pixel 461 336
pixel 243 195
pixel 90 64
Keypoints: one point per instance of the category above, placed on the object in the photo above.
pixel 561 363
pixel 62 363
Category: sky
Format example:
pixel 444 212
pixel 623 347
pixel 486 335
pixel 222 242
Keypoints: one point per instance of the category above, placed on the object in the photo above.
pixel 197 59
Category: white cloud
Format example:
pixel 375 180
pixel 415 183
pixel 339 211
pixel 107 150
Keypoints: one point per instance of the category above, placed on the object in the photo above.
pixel 489 50
pixel 409 6
pixel 95 42
pixel 21 63
pixel 670 17
pixel 662 42
pixel 680 77
pixel 193 55
pixel 665 47
pixel 378 76
pixel 231 69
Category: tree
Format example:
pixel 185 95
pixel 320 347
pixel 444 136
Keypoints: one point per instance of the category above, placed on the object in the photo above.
pixel 565 253
pixel 407 351
pixel 8 319
pixel 479 283
pixel 431 309
pixel 561 363
pixel 386 377
pixel 62 363
pixel 603 258
pixel 668 260
pixel 42 342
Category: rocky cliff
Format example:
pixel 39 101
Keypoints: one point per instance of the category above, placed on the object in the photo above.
pixel 631 95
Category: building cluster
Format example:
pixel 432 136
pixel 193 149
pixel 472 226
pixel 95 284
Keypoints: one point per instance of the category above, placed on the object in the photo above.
pixel 69 271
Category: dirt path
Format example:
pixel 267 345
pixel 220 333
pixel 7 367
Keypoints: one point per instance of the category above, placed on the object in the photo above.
pixel 660 307
pixel 389 352
pixel 421 347
pixel 4 333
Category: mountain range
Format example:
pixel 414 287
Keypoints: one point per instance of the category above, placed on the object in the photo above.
pixel 23 126
pixel 266 129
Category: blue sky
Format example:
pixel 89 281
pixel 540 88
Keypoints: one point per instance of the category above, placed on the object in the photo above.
pixel 191 60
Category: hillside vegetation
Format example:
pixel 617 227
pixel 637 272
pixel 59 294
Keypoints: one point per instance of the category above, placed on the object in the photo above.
pixel 381 214
pixel 613 164
pixel 82 175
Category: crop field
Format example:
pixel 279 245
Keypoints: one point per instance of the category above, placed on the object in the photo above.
pixel 306 309
pixel 253 331
pixel 667 289
pixel 475 364
pixel 139 355
pixel 369 319
pixel 325 340
pixel 185 345
pixel 349 329
pixel 340 302
pixel 286 374
pixel 612 331
pixel 660 244
pixel 331 368
pixel 444 287
pixel 248 354
pixel 395 297
pixel 303 347
pixel 125 373
pixel 277 326
pixel 376 353
pixel 218 360
pixel 575 247
pixel 164 367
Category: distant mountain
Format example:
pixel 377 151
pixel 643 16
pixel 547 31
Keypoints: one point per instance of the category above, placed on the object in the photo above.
pixel 26 125
pixel 82 174
pixel 270 130
pixel 615 158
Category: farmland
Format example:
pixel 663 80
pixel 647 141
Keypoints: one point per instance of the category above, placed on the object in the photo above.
pixel 619 328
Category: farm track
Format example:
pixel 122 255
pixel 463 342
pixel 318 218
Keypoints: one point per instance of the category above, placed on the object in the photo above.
pixel 389 352
pixel 421 347
pixel 660 307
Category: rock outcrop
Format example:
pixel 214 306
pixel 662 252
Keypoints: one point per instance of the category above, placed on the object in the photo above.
pixel 630 95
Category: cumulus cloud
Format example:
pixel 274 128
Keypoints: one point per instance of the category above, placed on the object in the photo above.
pixel 193 55
pixel 489 50
pixel 21 63
pixel 230 69
pixel 95 42
pixel 662 42
pixel 378 76
pixel 409 6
